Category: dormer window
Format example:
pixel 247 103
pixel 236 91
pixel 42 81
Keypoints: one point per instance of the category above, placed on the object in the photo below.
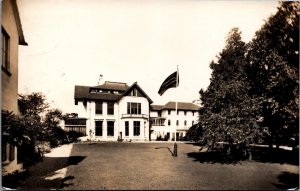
pixel 116 92
pixel 134 92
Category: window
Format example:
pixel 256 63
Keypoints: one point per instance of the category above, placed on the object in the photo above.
pixel 136 128
pixel 126 128
pixel 11 152
pixel 110 128
pixel 193 113
pixel 177 122
pixel 169 112
pixel 177 112
pixel 5 51
pixel 169 122
pixel 136 93
pixel 184 112
pixel 159 113
pixel 110 108
pixel 98 107
pixel 157 122
pixel 4 151
pixel 99 128
pixel 133 108
pixel 193 122
pixel 185 122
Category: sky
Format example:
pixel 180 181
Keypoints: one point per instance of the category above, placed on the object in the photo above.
pixel 72 42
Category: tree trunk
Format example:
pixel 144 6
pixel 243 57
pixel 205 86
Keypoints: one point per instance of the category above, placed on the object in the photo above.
pixel 270 142
pixel 277 138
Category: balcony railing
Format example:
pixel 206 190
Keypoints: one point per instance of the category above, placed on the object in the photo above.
pixel 135 116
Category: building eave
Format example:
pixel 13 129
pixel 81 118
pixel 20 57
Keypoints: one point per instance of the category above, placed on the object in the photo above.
pixel 18 22
pixel 135 84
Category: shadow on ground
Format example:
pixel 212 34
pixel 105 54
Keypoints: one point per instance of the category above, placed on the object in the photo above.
pixel 258 154
pixel 172 154
pixel 288 180
pixel 43 175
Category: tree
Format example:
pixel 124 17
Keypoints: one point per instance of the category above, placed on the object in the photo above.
pixel 32 104
pixel 55 134
pixel 228 114
pixel 273 72
pixel 42 124
pixel 32 107
pixel 13 129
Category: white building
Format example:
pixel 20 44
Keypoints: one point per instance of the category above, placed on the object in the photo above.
pixel 114 111
pixel 165 121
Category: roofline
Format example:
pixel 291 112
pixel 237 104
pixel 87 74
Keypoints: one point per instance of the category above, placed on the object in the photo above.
pixel 18 22
pixel 135 83
pixel 164 108
pixel 116 82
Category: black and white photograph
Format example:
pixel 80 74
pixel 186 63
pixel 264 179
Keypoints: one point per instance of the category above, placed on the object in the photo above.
pixel 150 95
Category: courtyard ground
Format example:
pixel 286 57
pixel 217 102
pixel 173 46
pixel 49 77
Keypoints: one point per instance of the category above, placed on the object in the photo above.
pixel 151 166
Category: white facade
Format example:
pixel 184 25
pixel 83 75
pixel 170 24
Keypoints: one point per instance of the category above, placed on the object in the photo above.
pixel 128 122
pixel 166 122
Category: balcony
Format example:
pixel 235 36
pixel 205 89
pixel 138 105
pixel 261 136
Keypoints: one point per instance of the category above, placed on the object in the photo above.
pixel 135 116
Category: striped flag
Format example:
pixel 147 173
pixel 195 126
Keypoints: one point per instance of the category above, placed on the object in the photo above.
pixel 170 82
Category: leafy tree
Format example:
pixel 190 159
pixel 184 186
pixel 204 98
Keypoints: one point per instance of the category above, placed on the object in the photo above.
pixel 32 107
pixel 273 58
pixel 55 134
pixel 32 104
pixel 13 129
pixel 40 124
pixel 228 114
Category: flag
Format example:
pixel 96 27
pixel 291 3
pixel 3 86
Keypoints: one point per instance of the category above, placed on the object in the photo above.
pixel 170 82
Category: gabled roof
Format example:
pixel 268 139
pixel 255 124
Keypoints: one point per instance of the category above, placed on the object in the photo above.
pixel 113 86
pixel 139 88
pixel 180 106
pixel 84 92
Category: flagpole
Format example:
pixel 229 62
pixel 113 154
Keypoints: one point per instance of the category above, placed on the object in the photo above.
pixel 176 107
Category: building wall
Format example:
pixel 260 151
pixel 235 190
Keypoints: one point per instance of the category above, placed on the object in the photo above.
pixel 10 82
pixel 119 118
pixel 82 110
pixel 9 95
pixel 143 118
pixel 173 117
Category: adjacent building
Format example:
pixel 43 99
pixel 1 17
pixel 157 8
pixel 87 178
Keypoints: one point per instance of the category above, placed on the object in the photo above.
pixel 165 121
pixel 113 111
pixel 12 37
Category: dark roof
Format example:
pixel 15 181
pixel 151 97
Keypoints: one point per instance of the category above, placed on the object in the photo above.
pixel 181 106
pixel 113 86
pixel 75 121
pixel 83 92
pixel 156 107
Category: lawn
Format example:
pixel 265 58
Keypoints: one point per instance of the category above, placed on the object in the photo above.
pixel 152 166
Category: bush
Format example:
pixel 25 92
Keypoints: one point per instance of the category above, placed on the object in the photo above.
pixel 72 136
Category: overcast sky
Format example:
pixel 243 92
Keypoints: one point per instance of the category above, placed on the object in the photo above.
pixel 72 42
